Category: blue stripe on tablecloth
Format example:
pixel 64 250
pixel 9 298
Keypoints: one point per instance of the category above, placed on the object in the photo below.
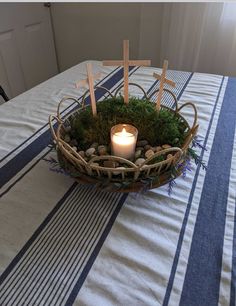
pixel 233 274
pixel 96 250
pixel 10 169
pixel 57 258
pixel 84 218
pixel 39 130
pixel 202 279
pixel 185 85
pixel 185 220
pixel 181 78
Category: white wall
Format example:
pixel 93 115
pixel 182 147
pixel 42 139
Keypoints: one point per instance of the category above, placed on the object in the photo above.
pixel 150 32
pixel 96 31
pixel 192 36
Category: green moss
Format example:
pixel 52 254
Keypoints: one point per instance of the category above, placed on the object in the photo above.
pixel 157 129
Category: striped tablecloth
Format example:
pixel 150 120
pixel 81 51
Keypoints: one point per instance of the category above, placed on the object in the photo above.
pixel 66 244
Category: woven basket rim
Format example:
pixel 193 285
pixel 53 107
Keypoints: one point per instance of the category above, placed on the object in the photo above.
pixel 90 167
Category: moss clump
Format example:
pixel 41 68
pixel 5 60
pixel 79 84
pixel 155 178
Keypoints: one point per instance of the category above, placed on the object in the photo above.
pixel 157 129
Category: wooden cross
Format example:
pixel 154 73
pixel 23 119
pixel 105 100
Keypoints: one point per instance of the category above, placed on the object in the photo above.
pixel 162 78
pixel 84 82
pixel 90 82
pixel 126 62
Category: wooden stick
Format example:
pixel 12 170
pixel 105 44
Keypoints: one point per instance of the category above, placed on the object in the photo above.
pixel 131 63
pixel 91 89
pixel 162 82
pixel 139 62
pixel 84 83
pixel 126 70
pixel 81 83
pixel 167 81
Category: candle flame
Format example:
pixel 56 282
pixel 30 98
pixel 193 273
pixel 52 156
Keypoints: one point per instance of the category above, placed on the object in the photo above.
pixel 123 133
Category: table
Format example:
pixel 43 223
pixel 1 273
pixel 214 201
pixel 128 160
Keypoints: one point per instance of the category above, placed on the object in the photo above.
pixel 66 244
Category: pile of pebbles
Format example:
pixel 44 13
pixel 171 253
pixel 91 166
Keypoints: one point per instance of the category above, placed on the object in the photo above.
pixel 143 152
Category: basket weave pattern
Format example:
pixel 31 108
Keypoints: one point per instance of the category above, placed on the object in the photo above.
pixel 92 172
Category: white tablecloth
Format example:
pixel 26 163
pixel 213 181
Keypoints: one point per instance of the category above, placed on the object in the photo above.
pixel 64 244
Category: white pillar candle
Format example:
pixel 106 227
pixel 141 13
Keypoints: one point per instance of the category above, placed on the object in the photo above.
pixel 123 140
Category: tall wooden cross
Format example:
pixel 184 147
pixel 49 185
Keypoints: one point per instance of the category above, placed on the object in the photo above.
pixel 126 62
pixel 90 82
pixel 162 78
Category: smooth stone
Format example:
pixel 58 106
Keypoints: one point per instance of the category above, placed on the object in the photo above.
pixel 67 138
pixel 110 164
pixel 137 154
pixel 81 153
pixel 90 152
pixel 94 145
pixel 119 172
pixel 166 146
pixel 149 153
pixel 101 146
pixel 102 150
pixel 158 149
pixel 142 143
pixel 139 148
pixel 139 161
pixel 74 148
pixel 147 147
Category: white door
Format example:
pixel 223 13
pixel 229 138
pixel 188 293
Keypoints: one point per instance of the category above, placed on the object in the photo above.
pixel 27 51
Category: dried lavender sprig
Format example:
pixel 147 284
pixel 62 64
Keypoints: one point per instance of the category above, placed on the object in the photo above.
pixel 197 159
pixel 196 142
pixel 55 166
pixel 58 170
pixel 51 161
pixel 185 166
pixel 171 185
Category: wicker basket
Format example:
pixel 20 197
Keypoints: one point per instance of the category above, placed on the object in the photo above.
pixel 128 174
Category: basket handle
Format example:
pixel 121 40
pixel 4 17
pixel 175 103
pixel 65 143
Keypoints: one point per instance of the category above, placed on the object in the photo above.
pixel 63 100
pixel 170 92
pixel 50 119
pixel 112 158
pixel 174 150
pixel 104 88
pixel 132 84
pixel 95 87
pixel 189 137
pixel 195 112
pixel 73 154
